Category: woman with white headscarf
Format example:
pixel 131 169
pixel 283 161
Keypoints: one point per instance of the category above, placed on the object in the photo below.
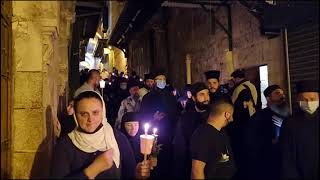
pixel 93 149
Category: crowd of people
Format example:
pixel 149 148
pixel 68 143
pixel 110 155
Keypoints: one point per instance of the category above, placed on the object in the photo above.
pixel 207 131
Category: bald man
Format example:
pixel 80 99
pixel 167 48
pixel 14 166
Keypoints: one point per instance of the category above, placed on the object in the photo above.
pixel 210 148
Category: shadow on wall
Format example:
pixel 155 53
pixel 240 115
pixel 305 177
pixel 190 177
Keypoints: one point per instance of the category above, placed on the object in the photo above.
pixel 41 164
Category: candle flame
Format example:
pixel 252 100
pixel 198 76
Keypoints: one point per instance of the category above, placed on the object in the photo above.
pixel 154 131
pixel 146 127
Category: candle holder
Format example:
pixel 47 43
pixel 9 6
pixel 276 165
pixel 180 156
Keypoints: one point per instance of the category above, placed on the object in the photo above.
pixel 146 142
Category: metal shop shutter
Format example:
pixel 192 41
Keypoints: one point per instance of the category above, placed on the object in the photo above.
pixel 303 47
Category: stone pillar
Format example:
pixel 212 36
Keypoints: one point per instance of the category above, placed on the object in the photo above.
pixel 229 64
pixel 36 75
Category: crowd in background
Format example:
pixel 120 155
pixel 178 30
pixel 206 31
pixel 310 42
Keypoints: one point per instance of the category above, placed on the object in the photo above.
pixel 208 130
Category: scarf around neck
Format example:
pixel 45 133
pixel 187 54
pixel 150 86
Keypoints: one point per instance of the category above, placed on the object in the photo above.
pixel 101 140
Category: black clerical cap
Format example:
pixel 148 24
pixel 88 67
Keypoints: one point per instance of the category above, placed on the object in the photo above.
pixel 213 74
pixel 196 87
pixel 308 86
pixel 158 72
pixel 239 73
pixel 132 83
pixel 129 117
pixel 122 79
pixel 270 89
pixel 148 76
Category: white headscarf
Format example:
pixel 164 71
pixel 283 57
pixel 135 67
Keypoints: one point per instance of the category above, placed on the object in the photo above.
pixel 101 140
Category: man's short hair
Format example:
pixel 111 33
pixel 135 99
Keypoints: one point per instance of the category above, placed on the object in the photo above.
pixel 91 72
pixel 270 89
pixel 239 73
pixel 220 106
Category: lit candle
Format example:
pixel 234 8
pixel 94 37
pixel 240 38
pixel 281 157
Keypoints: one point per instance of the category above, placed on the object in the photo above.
pixel 146 127
pixel 154 131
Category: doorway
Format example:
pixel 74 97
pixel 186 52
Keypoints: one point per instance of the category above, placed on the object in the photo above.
pixel 258 75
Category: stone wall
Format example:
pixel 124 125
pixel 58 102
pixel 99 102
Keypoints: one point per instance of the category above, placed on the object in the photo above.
pixel 208 44
pixel 40 39
pixel 191 31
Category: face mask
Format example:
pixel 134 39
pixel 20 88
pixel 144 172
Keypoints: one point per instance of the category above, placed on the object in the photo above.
pixel 309 106
pixel 123 86
pixel 161 84
pixel 201 106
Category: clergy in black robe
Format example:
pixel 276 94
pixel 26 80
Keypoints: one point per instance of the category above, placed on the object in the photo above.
pixel 130 127
pixel 213 82
pixel 244 98
pixel 185 128
pixel 300 142
pixel 159 107
pixel 261 137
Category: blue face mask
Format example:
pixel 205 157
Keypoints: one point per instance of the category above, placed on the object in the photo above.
pixel 161 84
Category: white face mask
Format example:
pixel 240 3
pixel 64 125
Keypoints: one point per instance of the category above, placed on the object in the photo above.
pixel 123 86
pixel 309 106
pixel 161 84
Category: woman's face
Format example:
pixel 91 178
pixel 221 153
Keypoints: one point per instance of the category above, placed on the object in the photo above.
pixel 89 114
pixel 132 128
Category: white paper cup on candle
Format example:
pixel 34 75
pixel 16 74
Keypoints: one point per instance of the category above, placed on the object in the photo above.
pixel 146 142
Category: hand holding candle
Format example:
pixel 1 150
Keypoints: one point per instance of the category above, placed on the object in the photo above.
pixel 146 142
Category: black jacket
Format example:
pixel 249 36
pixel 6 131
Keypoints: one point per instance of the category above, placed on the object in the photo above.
pixel 262 147
pixel 300 147
pixel 187 124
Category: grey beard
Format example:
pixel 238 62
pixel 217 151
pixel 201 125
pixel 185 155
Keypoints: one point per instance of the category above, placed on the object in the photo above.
pixel 281 109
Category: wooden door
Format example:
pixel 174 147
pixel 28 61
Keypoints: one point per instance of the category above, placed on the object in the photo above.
pixel 6 88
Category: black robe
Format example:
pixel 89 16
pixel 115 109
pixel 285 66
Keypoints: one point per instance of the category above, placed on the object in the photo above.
pixel 135 144
pixel 236 128
pixel 262 147
pixel 69 162
pixel 220 93
pixel 300 147
pixel 163 101
pixel 187 124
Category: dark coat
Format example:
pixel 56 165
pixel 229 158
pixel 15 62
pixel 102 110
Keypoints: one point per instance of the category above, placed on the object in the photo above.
pixel 162 101
pixel 220 93
pixel 263 160
pixel 187 124
pixel 236 129
pixel 134 142
pixel 69 162
pixel 300 147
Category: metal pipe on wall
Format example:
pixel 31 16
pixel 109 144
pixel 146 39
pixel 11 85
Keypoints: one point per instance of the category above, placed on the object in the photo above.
pixel 285 34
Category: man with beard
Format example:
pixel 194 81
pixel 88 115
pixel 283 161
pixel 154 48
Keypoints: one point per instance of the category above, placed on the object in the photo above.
pixel 213 82
pixel 148 85
pixel 262 136
pixel 131 103
pixel 185 128
pixel 300 142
